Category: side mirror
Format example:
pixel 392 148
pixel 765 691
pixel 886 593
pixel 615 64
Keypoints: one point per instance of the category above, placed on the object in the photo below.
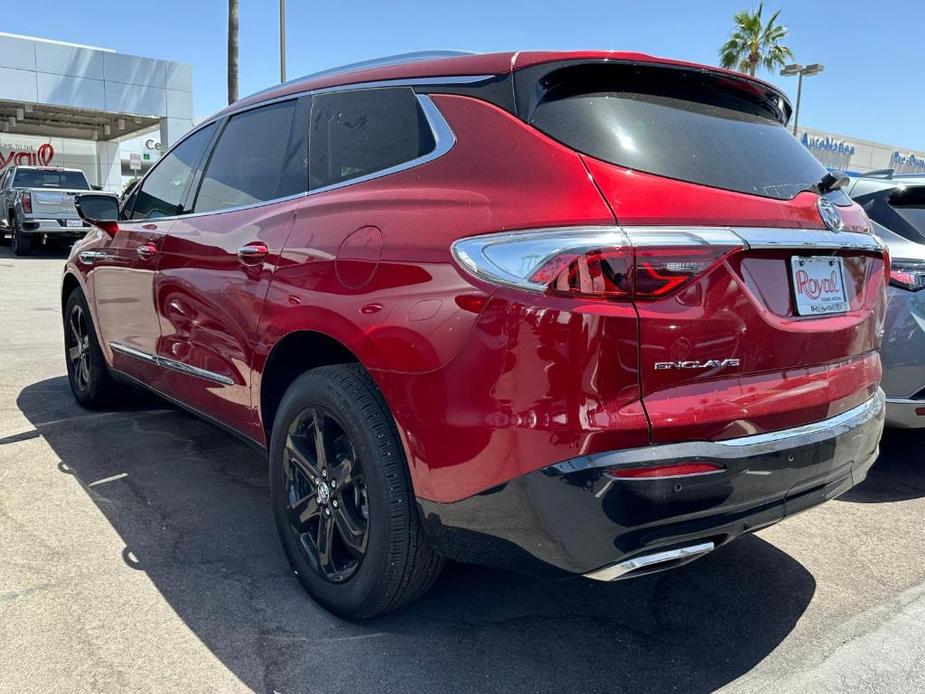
pixel 100 210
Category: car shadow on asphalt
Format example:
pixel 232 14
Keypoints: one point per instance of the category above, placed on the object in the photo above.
pixel 191 505
pixel 898 474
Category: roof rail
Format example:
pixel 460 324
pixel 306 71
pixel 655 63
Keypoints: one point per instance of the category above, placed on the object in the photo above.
pixel 387 61
pixel 879 173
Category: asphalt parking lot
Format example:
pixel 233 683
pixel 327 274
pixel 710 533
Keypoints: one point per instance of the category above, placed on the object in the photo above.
pixel 138 553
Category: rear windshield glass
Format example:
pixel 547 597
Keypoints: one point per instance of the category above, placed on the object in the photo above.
pixel 682 124
pixel 900 209
pixel 909 204
pixel 33 178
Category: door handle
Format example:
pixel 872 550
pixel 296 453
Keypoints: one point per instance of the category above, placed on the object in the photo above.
pixel 90 257
pixel 146 251
pixel 253 252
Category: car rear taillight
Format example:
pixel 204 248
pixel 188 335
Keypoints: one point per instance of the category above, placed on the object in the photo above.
pixel 26 202
pixel 909 276
pixel 598 262
pixel 685 469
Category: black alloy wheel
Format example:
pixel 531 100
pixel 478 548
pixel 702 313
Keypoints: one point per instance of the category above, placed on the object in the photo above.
pixel 328 504
pixel 342 496
pixel 77 342
pixel 91 381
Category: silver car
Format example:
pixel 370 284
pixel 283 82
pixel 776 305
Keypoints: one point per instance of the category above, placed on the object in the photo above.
pixel 896 206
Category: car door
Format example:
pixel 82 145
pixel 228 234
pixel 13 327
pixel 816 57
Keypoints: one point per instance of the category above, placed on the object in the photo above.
pixel 123 265
pixel 216 263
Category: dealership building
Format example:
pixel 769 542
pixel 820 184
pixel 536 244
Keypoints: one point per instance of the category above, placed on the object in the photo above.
pixel 111 114
pixel 854 155
pixel 107 113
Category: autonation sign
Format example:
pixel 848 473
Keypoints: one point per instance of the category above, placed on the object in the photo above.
pixel 831 151
pixel 827 144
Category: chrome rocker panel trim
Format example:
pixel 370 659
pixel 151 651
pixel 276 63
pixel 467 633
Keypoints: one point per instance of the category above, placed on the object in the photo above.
pixel 171 364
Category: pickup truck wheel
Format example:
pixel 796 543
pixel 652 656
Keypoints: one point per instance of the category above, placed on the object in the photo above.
pixel 91 382
pixel 22 242
pixel 342 496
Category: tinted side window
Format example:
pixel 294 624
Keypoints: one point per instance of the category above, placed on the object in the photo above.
pixel 366 131
pixel 163 189
pixel 253 162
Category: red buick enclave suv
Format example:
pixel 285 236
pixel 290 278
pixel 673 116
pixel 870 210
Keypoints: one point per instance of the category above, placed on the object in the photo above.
pixel 594 313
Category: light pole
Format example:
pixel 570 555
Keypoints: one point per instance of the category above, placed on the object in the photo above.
pixel 801 70
pixel 282 40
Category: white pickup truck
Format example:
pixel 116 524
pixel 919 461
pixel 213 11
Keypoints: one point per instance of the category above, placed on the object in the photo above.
pixel 37 205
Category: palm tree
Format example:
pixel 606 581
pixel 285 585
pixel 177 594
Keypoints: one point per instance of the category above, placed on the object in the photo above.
pixel 232 51
pixel 753 43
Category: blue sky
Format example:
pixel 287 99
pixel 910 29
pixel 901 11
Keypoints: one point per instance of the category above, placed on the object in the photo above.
pixel 871 87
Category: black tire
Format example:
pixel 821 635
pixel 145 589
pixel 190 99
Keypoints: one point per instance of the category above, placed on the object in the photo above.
pixel 91 381
pixel 394 562
pixel 22 242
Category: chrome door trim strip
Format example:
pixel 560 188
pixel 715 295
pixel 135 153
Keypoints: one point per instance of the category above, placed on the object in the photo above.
pixel 171 364
pixel 193 371
pixel 132 352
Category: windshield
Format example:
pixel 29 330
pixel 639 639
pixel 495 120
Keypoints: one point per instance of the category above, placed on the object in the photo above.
pixel 686 125
pixel 38 178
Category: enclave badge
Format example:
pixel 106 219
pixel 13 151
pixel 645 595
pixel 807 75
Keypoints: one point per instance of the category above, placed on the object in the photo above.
pixel 830 215
pixel 708 364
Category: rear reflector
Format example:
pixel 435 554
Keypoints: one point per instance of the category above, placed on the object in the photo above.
pixel 673 470
pixel 920 411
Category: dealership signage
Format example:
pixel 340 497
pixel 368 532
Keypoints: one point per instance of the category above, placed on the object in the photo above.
pixel 26 155
pixel 827 144
pixel 907 163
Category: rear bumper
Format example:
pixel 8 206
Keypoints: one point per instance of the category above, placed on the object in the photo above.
pixel 572 517
pixel 57 227
pixel 901 414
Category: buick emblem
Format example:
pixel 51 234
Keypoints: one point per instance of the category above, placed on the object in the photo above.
pixel 830 215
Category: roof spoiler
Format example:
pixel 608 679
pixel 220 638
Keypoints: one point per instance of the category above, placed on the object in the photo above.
pixel 880 173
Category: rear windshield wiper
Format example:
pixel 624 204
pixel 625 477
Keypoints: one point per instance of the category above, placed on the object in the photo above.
pixel 833 180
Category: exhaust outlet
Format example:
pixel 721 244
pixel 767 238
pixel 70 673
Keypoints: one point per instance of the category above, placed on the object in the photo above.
pixel 651 563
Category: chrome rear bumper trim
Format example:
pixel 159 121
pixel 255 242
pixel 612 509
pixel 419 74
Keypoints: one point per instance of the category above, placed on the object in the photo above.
pixel 649 563
pixel 744 447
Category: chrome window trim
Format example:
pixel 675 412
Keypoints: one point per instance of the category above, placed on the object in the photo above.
pixel 353 86
pixel 444 141
pixel 171 364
